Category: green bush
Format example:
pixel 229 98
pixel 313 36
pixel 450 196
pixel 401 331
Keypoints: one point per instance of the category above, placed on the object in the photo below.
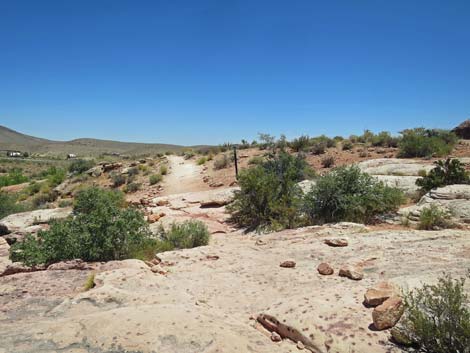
pixel 54 176
pixel 101 230
pixel 436 318
pixel 117 179
pixel 132 187
pixel 421 142
pixel 9 205
pixel 269 197
pixel 44 197
pixel 432 218
pixel 14 177
pixel 79 166
pixel 318 148
pixel 201 161
pixel 347 194
pixel 346 145
pixel 155 179
pixel 221 162
pixel 447 172
pixel 300 144
pixel 188 234
pixel 163 169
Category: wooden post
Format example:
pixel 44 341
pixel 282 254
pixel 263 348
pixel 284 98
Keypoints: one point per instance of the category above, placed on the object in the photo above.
pixel 236 161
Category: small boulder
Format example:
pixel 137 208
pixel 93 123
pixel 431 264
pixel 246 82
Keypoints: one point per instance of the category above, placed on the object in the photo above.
pixel 325 269
pixel 378 294
pixel 76 264
pixel 387 314
pixel 288 264
pixel 352 272
pixel 336 242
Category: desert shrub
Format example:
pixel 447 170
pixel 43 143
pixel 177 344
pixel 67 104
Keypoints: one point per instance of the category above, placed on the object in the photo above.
pixel 346 145
pixel 9 205
pixel 269 197
pixel 187 234
pixel 436 318
pixel 55 176
pixel 432 218
pixel 163 169
pixel 65 203
pixel 14 177
pixel 155 179
pixel 267 141
pixel 256 160
pixel 144 168
pixel 328 161
pixel 33 188
pixel 363 153
pixel 79 166
pixel 448 172
pixel 421 142
pixel 132 172
pixel 201 161
pixel 188 154
pixel 100 230
pixel 318 148
pixel 117 179
pixel 384 139
pixel 221 162
pixel 300 144
pixel 43 198
pixel 132 187
pixel 347 194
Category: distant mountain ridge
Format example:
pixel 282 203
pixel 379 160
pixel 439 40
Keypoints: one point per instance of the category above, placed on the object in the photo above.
pixel 14 140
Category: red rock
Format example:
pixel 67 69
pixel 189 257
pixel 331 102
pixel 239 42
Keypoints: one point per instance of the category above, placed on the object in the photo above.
pixel 336 242
pixel 380 293
pixel 387 314
pixel 325 269
pixel 288 264
pixel 352 272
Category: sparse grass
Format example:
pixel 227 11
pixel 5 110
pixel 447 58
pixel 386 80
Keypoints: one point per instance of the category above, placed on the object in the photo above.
pixel 90 282
pixel 132 187
pixel 256 160
pixel 163 169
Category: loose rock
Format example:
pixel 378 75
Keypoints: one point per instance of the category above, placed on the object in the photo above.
pixel 387 314
pixel 288 264
pixel 351 272
pixel 336 242
pixel 380 293
pixel 325 269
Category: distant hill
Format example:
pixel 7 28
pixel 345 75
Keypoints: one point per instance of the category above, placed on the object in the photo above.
pixel 13 140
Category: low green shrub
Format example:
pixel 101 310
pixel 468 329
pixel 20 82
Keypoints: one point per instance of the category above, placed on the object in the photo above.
pixel 347 145
pixel 132 187
pixel 14 177
pixel 163 169
pixel 318 148
pixel 269 197
pixel 347 194
pixel 43 198
pixel 300 144
pixel 432 218
pixel 9 205
pixel 90 282
pixel 421 142
pixel 447 172
pixel 100 230
pixel 155 179
pixel 187 234
pixel 201 161
pixel 436 318
pixel 79 166
pixel 117 179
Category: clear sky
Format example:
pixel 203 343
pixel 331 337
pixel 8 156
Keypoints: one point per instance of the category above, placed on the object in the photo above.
pixel 209 71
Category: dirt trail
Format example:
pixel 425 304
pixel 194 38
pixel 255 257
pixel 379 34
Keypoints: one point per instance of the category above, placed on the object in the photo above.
pixel 184 176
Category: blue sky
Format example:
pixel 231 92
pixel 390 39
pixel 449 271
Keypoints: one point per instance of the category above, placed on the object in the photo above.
pixel 209 71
